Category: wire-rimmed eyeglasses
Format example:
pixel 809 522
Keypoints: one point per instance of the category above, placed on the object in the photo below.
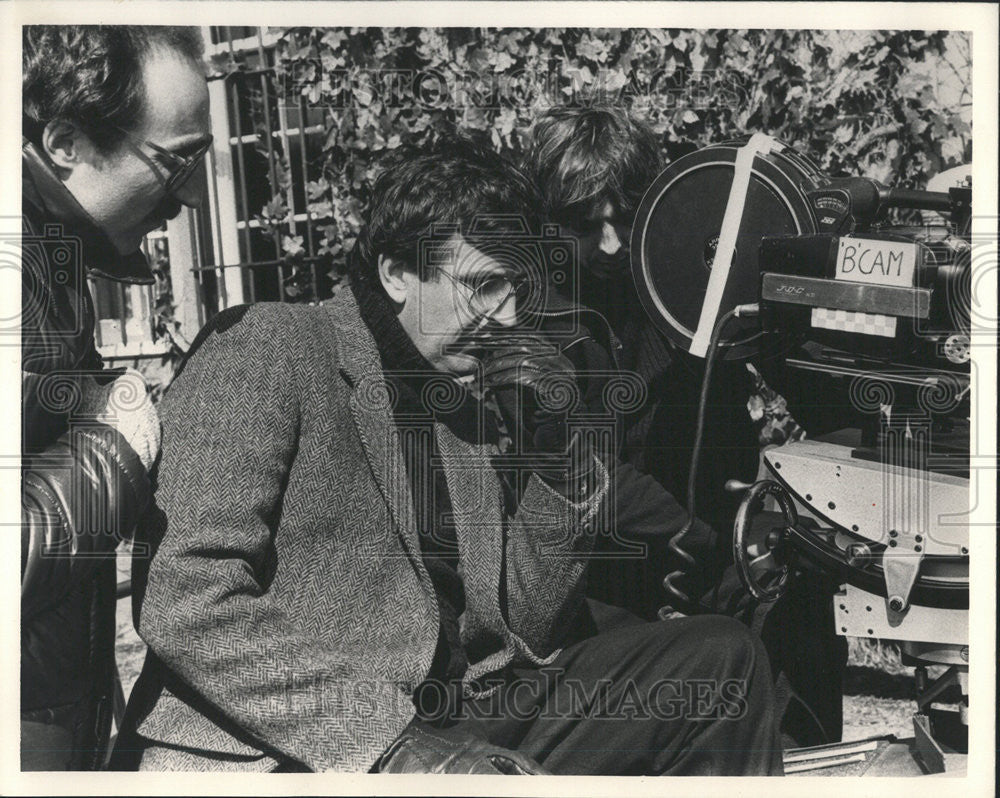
pixel 492 291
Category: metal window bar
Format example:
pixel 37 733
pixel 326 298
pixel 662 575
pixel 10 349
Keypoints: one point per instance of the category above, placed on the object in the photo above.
pixel 252 138
pixel 305 196
pixel 214 198
pixel 241 179
pixel 287 165
pixel 286 159
pixel 241 160
pixel 299 217
pixel 220 38
pixel 200 281
pixel 196 249
pixel 270 165
pixel 234 96
pixel 256 264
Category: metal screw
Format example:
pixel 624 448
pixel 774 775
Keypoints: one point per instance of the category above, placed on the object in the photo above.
pixel 918 538
pixel 917 548
pixel 892 542
pixel 964 550
pixel 964 653
pixel 854 527
pixel 858 555
pixel 831 505
pixel 896 604
pixel 893 533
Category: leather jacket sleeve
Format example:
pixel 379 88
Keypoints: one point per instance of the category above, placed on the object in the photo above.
pixel 80 498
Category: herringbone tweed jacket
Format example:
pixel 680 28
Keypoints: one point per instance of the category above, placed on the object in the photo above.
pixel 286 606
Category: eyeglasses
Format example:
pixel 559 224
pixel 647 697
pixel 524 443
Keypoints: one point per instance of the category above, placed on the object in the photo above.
pixel 180 167
pixel 491 292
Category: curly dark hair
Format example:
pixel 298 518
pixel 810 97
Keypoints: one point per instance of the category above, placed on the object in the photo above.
pixel 92 75
pixel 581 157
pixel 456 185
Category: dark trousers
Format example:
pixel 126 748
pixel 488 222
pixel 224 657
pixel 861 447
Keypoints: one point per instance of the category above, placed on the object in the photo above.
pixel 691 696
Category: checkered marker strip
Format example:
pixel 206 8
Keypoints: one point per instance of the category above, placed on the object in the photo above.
pixel 854 322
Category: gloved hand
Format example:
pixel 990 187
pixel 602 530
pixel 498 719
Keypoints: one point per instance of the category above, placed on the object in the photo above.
pixel 535 387
pixel 422 748
pixel 124 404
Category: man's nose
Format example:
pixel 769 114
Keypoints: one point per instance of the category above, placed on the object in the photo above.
pixel 610 244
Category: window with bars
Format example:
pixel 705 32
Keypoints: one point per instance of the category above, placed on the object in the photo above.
pixel 259 235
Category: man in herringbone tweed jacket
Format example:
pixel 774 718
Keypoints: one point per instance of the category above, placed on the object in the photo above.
pixel 343 577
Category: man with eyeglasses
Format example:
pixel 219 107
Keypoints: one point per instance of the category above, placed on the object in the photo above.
pixel 115 127
pixel 347 572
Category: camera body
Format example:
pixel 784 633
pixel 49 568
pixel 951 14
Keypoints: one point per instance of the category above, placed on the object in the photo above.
pixel 745 251
pixel 868 316
pixel 864 327
pixel 880 296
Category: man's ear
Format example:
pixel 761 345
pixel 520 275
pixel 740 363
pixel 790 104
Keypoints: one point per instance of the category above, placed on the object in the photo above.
pixel 395 278
pixel 66 145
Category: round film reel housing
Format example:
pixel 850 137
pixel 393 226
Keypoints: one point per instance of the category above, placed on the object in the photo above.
pixel 677 229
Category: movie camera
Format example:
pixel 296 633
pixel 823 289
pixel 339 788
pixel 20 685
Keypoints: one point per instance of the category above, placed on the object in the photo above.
pixel 746 251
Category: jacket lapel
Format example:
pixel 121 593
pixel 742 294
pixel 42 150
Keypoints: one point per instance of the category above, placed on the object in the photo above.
pixel 371 405
pixel 472 484
pixel 476 502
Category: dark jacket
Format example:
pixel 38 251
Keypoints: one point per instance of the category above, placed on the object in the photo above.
pixel 639 516
pixel 83 488
pixel 287 607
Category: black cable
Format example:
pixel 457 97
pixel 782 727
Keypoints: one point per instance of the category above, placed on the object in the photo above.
pixel 670 580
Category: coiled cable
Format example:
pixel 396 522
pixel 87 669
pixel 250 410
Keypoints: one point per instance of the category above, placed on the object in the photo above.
pixel 671 582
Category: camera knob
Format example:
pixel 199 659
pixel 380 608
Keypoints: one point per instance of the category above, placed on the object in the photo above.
pixel 957 349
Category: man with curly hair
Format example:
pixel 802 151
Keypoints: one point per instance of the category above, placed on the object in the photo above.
pixel 115 121
pixel 592 167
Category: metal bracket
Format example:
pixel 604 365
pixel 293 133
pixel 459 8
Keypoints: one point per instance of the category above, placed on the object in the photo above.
pixel 901 566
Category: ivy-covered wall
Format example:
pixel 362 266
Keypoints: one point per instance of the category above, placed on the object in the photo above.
pixel 892 105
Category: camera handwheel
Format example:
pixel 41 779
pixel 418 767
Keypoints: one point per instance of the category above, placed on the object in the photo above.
pixel 765 574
